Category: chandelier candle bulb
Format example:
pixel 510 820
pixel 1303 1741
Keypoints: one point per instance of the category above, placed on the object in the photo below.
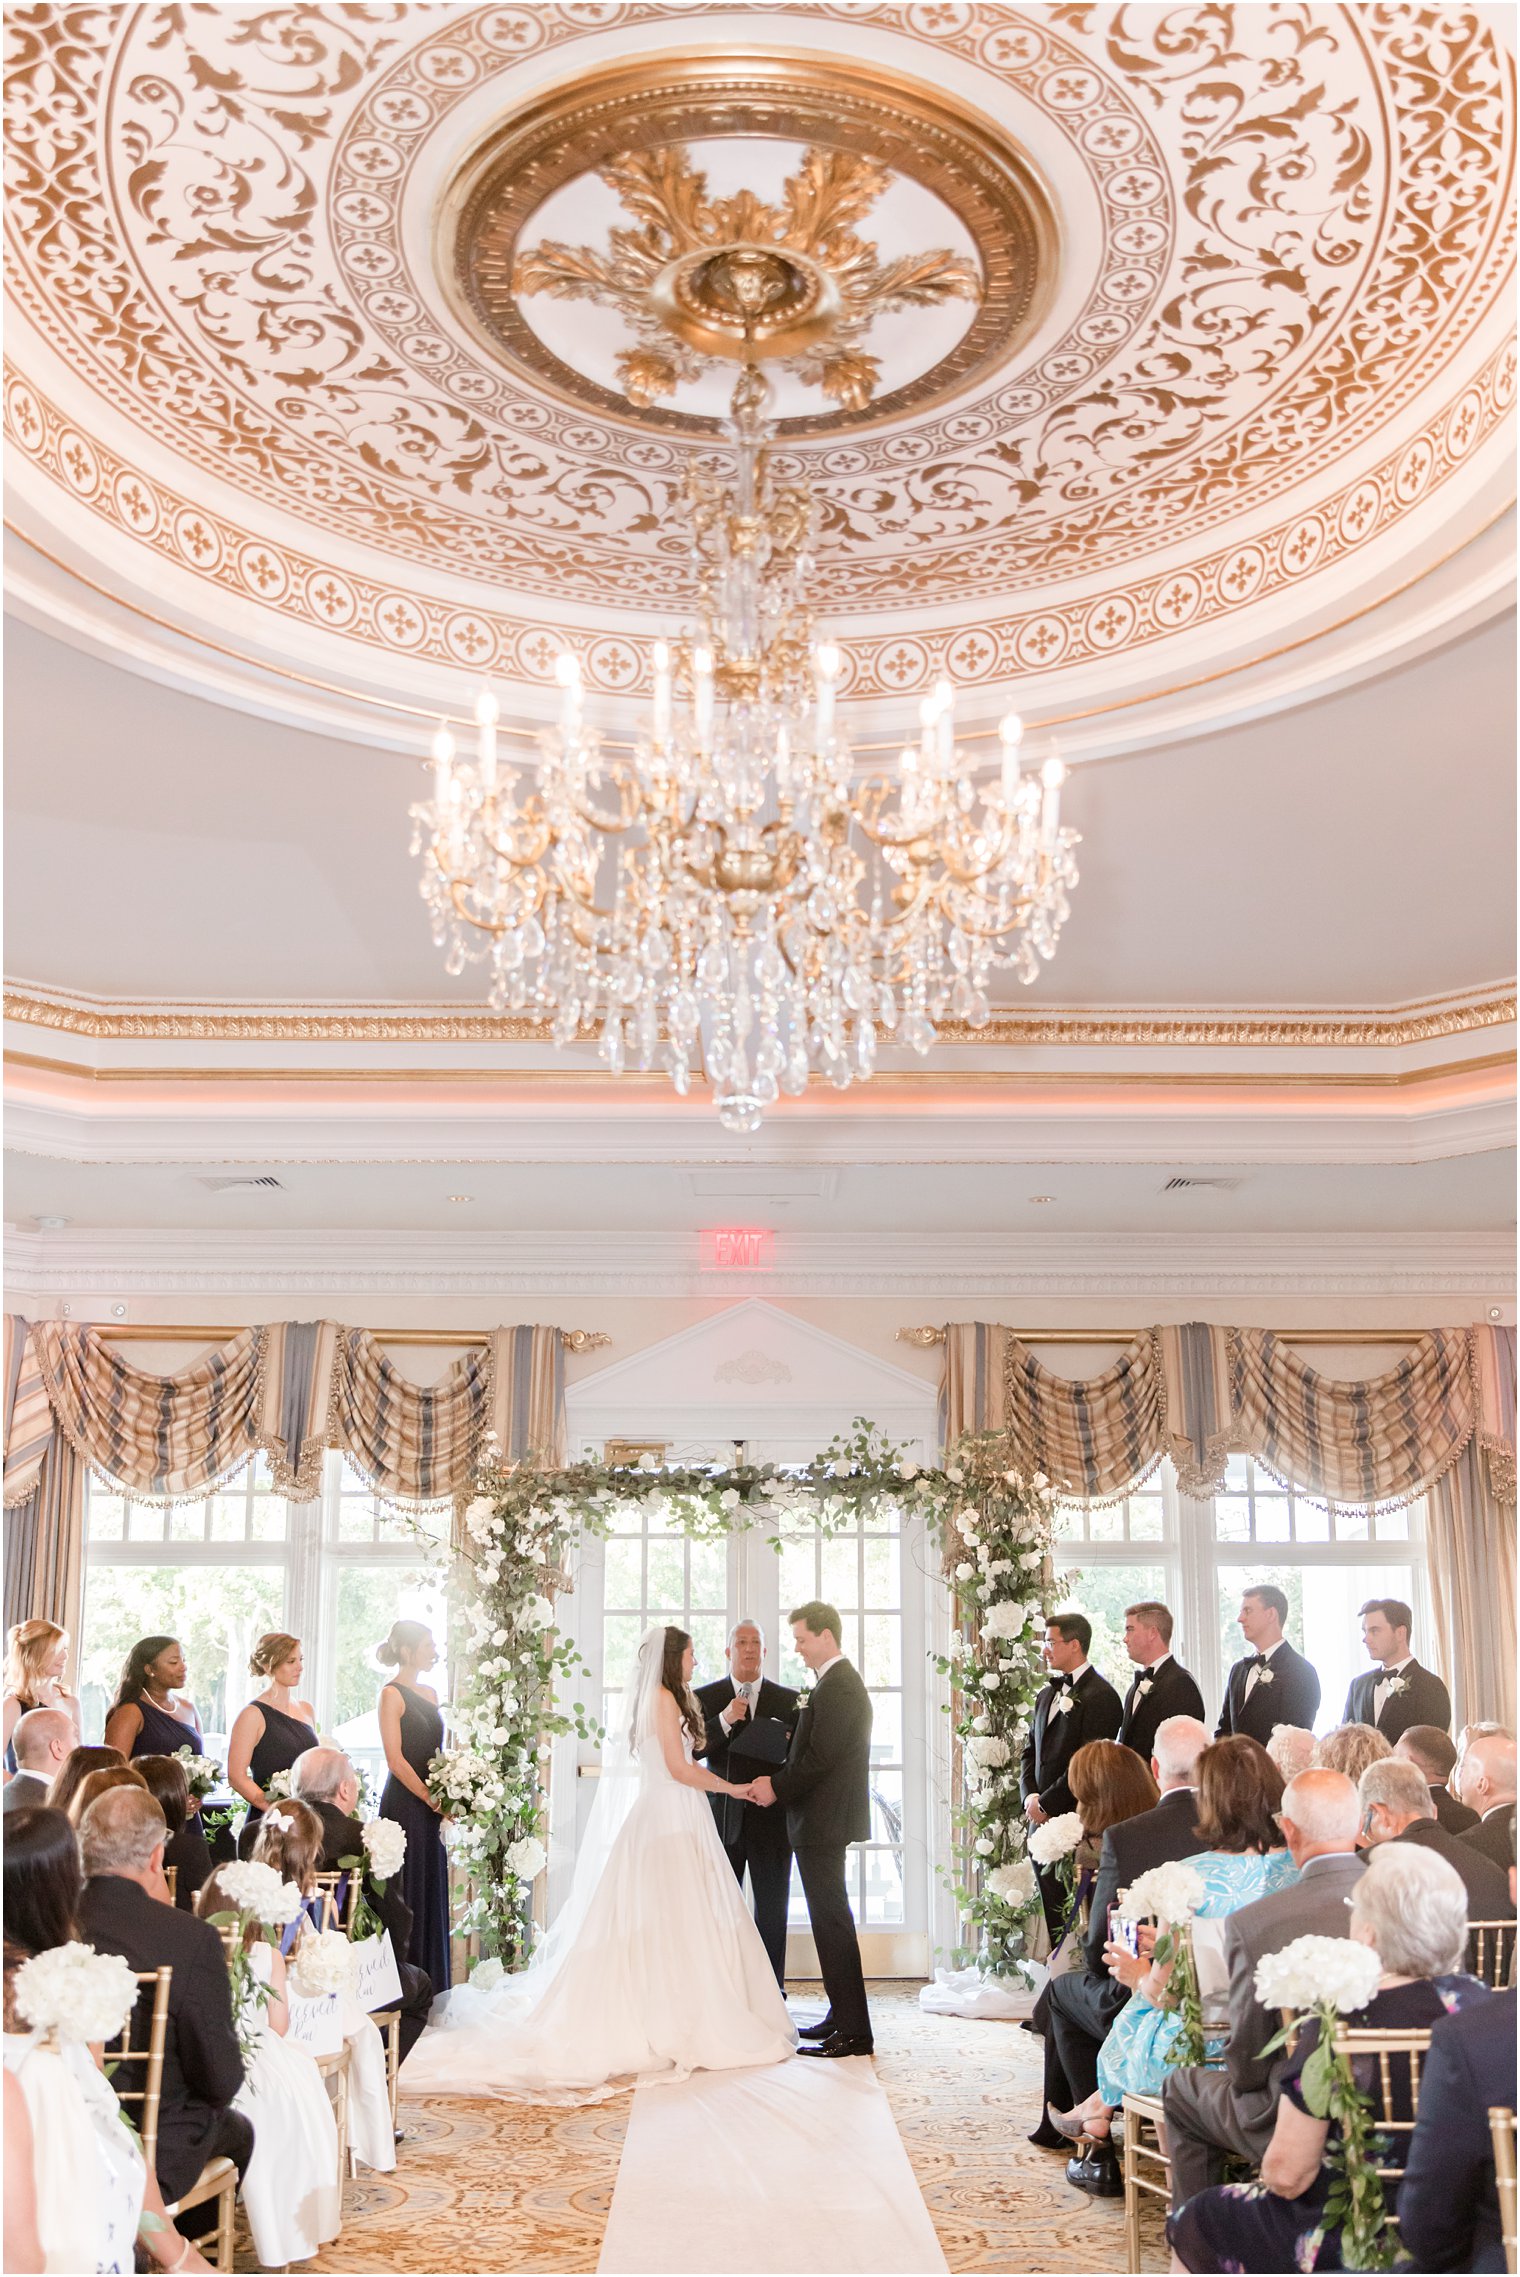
pixel 485 719
pixel 702 694
pixel 1010 735
pixel 826 672
pixel 1052 776
pixel 443 753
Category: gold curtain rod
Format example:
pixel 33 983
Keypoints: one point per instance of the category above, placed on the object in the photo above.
pixel 162 1332
pixel 925 1338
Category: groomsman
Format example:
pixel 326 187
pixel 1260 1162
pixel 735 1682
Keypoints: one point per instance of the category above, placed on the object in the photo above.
pixel 1161 1686
pixel 1272 1684
pixel 1398 1692
pixel 746 1712
pixel 1075 1706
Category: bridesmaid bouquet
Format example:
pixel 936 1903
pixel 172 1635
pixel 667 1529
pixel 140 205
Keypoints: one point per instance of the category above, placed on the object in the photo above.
pixel 204 1775
pixel 1318 1980
pixel 71 1992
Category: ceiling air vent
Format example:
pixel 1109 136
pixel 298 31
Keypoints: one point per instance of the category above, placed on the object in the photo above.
pixel 222 1185
pixel 1196 1185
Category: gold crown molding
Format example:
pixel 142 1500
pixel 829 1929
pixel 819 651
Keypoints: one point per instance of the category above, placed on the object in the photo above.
pixel 887 1079
pixel 1389 1029
pixel 859 112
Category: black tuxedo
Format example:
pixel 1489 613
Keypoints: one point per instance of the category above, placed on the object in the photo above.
pixel 1424 1700
pixel 1172 1693
pixel 343 1837
pixel 1096 1712
pixel 753 1836
pixel 1455 1817
pixel 1488 1896
pixel 825 1787
pixel 1494 1837
pixel 1292 1697
pixel 1079 2008
pixel 1448 2204
pixel 203 2066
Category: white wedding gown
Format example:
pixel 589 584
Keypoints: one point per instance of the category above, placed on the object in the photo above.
pixel 654 1971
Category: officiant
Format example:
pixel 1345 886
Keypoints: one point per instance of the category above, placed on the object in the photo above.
pixel 750 1722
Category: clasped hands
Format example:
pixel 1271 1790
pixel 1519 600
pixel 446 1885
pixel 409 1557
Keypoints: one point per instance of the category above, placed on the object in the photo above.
pixel 758 1791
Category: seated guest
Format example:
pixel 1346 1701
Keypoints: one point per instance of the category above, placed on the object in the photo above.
pixel 1397 1692
pixel 290 1840
pixel 93 2193
pixel 125 1910
pixel 1292 1749
pixel 1410 1908
pixel 1448 2202
pixel 1436 1756
pixel 1211 2113
pixel 1396 1807
pixel 1350 1748
pixel 324 1778
pixel 1161 1686
pixel 291 2190
pixel 1241 1858
pixel 186 1849
pixel 1488 1787
pixel 1076 2010
pixel 76 1768
pixel 101 1783
pixel 41 1743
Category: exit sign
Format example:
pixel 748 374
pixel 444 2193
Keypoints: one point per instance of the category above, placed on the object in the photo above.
pixel 738 1248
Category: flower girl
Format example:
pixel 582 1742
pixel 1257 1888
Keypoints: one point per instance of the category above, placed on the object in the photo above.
pixel 291 2192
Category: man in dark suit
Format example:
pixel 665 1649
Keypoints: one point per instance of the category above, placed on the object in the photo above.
pixel 1075 1706
pixel 325 1780
pixel 42 1743
pixel 1486 1777
pixel 125 1909
pixel 1435 1755
pixel 753 1837
pixel 825 1787
pixel 1076 2010
pixel 1398 1692
pixel 1448 2202
pixel 1272 1684
pixel 1161 1687
pixel 1396 1807
pixel 1212 2113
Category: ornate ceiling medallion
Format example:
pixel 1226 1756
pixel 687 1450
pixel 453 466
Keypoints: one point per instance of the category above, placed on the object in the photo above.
pixel 702 279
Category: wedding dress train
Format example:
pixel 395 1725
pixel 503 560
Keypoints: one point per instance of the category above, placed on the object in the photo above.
pixel 654 1970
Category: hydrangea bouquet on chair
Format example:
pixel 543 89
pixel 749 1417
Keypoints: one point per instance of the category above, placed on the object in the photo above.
pixel 384 1853
pixel 1317 1981
pixel 1170 1895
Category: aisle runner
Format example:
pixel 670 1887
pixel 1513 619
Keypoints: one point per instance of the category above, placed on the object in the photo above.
pixel 786 2171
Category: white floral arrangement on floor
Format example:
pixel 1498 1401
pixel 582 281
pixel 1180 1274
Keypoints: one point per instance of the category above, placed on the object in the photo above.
pixel 73 1993
pixel 324 1963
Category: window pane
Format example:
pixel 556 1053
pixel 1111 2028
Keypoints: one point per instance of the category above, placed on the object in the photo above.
pixel 882 1663
pixel 228 1515
pixel 1310 1524
pixel 1273 1522
pixel 1351 1526
pixel 145 1524
pixel 369 1599
pixel 187 1522
pixel 1102 1594
pixel 1392 1525
pixel 799 1576
pixel 709 1635
pixel 356 1519
pixel 667 1577
pixel 841 1573
pixel 216 1611
pixel 1106 1523
pixel 709 1573
pixel 623 1582
pixel 1071 1523
pixel 1146 1518
pixel 105 1514
pixel 1232 1521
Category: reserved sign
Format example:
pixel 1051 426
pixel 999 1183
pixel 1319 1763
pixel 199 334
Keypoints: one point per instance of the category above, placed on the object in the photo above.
pixel 316 2021
pixel 379 1977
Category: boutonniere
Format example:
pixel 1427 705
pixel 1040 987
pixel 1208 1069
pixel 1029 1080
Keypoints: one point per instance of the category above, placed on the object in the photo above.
pixel 1265 1676
pixel 1397 1684
pixel 1061 1705
pixel 1146 1684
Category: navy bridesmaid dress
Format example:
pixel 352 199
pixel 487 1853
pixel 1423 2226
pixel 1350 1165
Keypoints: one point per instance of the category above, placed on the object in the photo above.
pixel 279 1743
pixel 425 1868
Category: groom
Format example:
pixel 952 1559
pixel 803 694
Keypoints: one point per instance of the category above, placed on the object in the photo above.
pixel 824 1786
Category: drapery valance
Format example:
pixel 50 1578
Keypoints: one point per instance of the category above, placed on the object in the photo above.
pixel 289 1390
pixel 1201 1393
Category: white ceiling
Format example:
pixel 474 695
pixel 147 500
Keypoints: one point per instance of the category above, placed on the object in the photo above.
pixel 1356 851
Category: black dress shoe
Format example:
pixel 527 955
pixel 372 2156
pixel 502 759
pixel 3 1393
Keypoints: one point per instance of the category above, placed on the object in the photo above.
pixel 839 2044
pixel 823 2031
pixel 1097 2173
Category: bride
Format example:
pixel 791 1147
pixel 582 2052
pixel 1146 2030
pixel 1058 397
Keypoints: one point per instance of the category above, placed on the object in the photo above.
pixel 654 1968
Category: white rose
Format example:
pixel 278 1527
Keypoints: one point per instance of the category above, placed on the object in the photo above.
pixel 842 1469
pixel 730 1498
pixel 1005 1619
pixel 907 1470
pixel 526 1859
pixel 981 1723
pixel 1014 1885
pixel 991 1680
pixel 985 1846
pixel 1029 1559
pixel 541 1613
pixel 990 1753
pixel 486 1976
pixel 963 1572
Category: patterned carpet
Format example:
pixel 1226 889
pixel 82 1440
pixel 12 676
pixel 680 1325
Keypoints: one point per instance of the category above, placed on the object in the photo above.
pixel 494 2186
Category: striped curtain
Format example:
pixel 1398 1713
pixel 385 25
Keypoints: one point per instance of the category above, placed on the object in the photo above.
pixel 1471 1535
pixel 1096 1436
pixel 162 1438
pixel 1370 1442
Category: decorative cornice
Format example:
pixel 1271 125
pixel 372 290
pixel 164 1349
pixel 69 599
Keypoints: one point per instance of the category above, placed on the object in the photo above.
pixel 93 1269
pixel 1388 1027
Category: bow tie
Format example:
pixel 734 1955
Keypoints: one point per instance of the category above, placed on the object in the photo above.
pixel 1261 1661
pixel 1063 1683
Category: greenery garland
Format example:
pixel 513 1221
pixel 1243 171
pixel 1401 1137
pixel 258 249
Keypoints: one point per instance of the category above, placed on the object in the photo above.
pixel 993 1532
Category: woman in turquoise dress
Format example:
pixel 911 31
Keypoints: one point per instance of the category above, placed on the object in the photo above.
pixel 1239 1792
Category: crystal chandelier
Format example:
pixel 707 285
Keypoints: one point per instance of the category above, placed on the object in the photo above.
pixel 725 896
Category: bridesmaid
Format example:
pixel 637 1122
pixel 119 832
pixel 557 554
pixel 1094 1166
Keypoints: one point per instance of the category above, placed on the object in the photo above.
pixel 270 1732
pixel 411 1731
pixel 36 1655
pixel 146 1718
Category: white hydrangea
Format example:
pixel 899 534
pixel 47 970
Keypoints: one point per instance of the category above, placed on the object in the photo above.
pixel 526 1858
pixel 324 1962
pixel 480 1519
pixel 1014 1884
pixel 1313 1972
pixel 487 1975
pixel 259 1893
pixel 75 1992
pixel 1007 1619
pixel 1055 1838
pixel 385 1846
pixel 985 1846
pixel 990 1754
pixel 1168 1893
pixel 541 1613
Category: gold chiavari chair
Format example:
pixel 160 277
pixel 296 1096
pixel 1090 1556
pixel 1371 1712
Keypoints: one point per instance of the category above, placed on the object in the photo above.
pixel 1501 2130
pixel 1146 2168
pixel 341 1905
pixel 171 1877
pixel 1396 2059
pixel 1491 1951
pixel 334 2070
pixel 216 2184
